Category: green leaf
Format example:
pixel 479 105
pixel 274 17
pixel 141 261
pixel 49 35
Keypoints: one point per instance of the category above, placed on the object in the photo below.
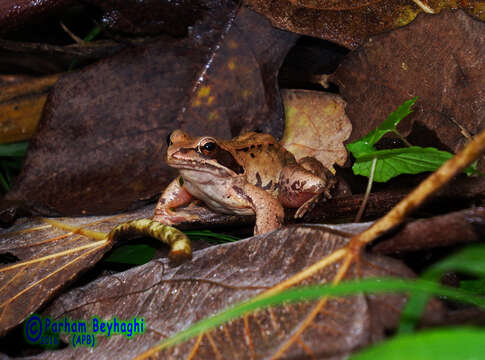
pixel 17 149
pixel 365 145
pixel 464 343
pixel 394 162
pixel 389 125
pixel 373 285
pixel 360 148
pixel 131 254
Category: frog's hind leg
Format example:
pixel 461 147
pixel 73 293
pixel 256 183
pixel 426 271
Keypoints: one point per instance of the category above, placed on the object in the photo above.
pixel 300 186
pixel 174 196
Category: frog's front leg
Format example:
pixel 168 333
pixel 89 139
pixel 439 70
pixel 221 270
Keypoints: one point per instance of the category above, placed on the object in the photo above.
pixel 269 212
pixel 300 186
pixel 174 196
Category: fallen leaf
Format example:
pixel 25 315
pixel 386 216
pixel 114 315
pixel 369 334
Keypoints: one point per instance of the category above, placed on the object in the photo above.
pixel 316 126
pixel 440 59
pixel 99 146
pixel 21 106
pixel 127 16
pixel 171 299
pixel 349 23
pixel 150 16
pixel 15 13
pixel 47 257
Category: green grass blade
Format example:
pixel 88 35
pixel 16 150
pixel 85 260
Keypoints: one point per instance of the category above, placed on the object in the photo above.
pixel 475 286
pixel 210 236
pixel 17 149
pixel 375 285
pixel 469 261
pixel 463 343
pixel 5 184
pixel 95 31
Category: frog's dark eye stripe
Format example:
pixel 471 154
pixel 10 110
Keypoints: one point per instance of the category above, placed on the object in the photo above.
pixel 226 159
pixel 211 150
pixel 169 141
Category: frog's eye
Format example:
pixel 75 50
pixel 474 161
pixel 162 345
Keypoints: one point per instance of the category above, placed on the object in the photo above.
pixel 206 146
pixel 209 146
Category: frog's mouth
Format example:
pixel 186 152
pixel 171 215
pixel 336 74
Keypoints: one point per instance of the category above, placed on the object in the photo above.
pixel 194 167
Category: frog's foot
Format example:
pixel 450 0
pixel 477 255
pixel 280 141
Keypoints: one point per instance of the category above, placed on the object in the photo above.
pixel 170 217
pixel 301 188
pixel 311 202
pixel 175 196
pixel 307 206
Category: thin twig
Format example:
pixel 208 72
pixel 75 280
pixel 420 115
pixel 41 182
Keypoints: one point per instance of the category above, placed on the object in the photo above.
pixel 367 191
pixel 424 7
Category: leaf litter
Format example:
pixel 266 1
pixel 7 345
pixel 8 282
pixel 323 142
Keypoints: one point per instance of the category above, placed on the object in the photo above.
pixel 290 256
pixel 223 81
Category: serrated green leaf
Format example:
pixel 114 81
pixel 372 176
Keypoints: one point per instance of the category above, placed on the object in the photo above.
pixel 464 343
pixel 394 162
pixel 365 145
pixel 394 118
pixel 132 254
pixel 360 148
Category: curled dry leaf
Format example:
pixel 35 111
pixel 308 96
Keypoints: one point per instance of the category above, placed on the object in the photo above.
pixel 316 125
pixel 99 146
pixel 170 299
pixel 440 59
pixel 349 23
pixel 48 257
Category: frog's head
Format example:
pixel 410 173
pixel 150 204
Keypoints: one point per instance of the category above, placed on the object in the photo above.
pixel 201 154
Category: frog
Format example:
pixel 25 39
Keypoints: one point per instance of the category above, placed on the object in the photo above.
pixel 252 174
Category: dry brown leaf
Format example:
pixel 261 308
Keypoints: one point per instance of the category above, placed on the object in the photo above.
pixel 316 125
pixel 349 23
pixel 170 299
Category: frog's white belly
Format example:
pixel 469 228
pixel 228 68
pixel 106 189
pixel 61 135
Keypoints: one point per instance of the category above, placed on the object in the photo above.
pixel 217 195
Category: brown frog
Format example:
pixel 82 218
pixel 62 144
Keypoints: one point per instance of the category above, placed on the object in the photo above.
pixel 250 174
